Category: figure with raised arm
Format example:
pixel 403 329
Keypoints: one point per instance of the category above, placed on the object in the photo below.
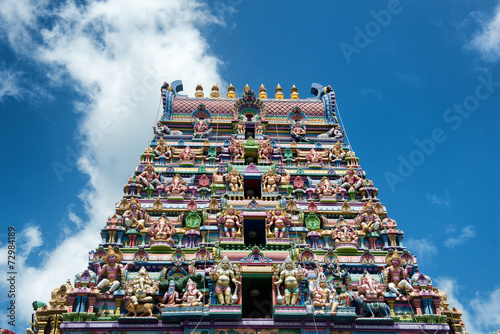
pixel 112 271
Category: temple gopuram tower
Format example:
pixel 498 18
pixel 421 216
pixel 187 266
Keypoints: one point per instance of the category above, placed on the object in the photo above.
pixel 249 215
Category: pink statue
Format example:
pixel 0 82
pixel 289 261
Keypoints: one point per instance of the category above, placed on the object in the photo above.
pixel 162 149
pixel 369 220
pixel 344 233
pixel 176 187
pixel 149 177
pixel 396 275
pixel 171 297
pixel 351 180
pixel 192 296
pixel 162 230
pixel 279 219
pixel 259 129
pixel 314 157
pixel 231 219
pixel 325 188
pixel 201 128
pixel 368 288
pixel 135 221
pixel 236 150
pixel 265 150
pixel 113 270
pixel 187 155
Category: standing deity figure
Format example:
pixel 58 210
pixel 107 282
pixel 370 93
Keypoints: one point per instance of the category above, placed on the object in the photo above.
pixel 162 230
pixel 259 129
pixel 350 180
pixel 396 275
pixel 279 219
pixel 135 220
pixel 337 154
pixel 235 181
pixel 223 275
pixel 265 150
pixel 230 219
pixel 177 186
pixel 162 149
pixel 271 181
pixel 187 155
pixel 289 275
pixel 325 187
pixel 112 271
pixel 368 219
pixel 240 127
pixel 236 150
pixel 192 296
pixel 149 177
pixel 171 297
pixel 367 190
pixel 298 130
pixel 314 157
pixel 351 158
pixel 323 295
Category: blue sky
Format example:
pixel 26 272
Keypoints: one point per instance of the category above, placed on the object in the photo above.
pixel 417 86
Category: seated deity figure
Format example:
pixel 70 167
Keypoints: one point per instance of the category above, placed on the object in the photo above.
pixel 351 159
pixel 298 131
pixel 223 275
pixel 270 181
pixel 368 288
pixel 171 297
pixel 265 150
pixel 159 130
pixel 192 296
pixel 176 187
pixel 201 128
pixel 230 220
pixel 314 157
pixel 351 180
pixel 112 271
pixel 240 127
pixel 368 219
pixel 187 155
pixel 289 275
pixel 396 275
pixel 323 295
pixel 344 233
pixel 237 150
pixel 279 219
pixel 142 288
pixel 367 190
pixel 259 129
pixel 162 149
pixel 135 220
pixel 285 178
pixel 337 154
pixel 162 230
pixel 325 188
pixel 149 177
pixel 235 181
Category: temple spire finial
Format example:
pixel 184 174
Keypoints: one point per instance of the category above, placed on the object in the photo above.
pixel 262 92
pixel 279 93
pixel 215 91
pixel 199 91
pixel 231 92
pixel 294 93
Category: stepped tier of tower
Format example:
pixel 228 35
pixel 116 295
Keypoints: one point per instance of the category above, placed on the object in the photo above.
pixel 249 215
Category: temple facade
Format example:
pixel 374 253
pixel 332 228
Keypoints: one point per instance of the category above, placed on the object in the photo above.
pixel 249 215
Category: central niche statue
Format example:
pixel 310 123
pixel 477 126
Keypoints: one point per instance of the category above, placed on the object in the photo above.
pixel 323 295
pixel 270 181
pixel 201 128
pixel 223 275
pixel 237 150
pixel 162 230
pixel 138 294
pixel 279 219
pixel 176 187
pixel 265 150
pixel 289 275
pixel 230 219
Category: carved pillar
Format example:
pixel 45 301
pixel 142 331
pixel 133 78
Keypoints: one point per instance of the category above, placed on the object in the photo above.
pixel 92 300
pixel 118 305
pixel 417 302
pixel 71 301
pixel 390 302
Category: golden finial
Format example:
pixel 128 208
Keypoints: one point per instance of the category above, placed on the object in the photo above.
pixel 262 92
pixel 231 92
pixel 246 88
pixel 279 93
pixel 294 93
pixel 215 91
pixel 199 91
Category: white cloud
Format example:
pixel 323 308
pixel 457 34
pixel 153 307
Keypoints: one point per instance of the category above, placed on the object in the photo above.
pixel 9 84
pixel 487 40
pixel 30 238
pixel 439 200
pixel 468 232
pixel 116 54
pixel 423 248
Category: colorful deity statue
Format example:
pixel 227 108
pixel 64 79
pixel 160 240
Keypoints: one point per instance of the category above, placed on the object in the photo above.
pixel 240 127
pixel 351 158
pixel 112 271
pixel 368 288
pixel 351 181
pixel 176 187
pixel 259 129
pixel 192 296
pixel 336 154
pixel 135 220
pixel 298 130
pixel 201 128
pixel 159 130
pixel 325 188
pixel 236 150
pixel 290 276
pixel 265 150
pixel 270 181
pixel 235 181
pixel 279 219
pixel 396 275
pixel 323 295
pixel 162 230
pixel 367 190
pixel 370 222
pixel 171 297
pixel 230 220
pixel 314 157
pixel 344 233
pixel 162 149
pixel 139 294
pixel 223 274
pixel 149 178
pixel 187 155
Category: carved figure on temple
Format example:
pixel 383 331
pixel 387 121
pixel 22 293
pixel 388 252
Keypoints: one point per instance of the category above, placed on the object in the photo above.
pixel 112 271
pixel 351 158
pixel 240 127
pixel 236 150
pixel 289 275
pixel 270 181
pixel 334 133
pixel 201 128
pixel 162 149
pixel 314 157
pixel 368 219
pixel 230 219
pixel 298 130
pixel 176 187
pixel 279 219
pixel 323 295
pixel 265 150
pixel 159 130
pixel 171 297
pixel 223 275
pixel 396 275
pixel 350 180
pixel 235 181
pixel 162 230
pixel 187 155
pixel 368 288
pixel 149 177
pixel 325 187
pixel 192 296
pixel 135 221
pixel 343 232
pixel 112 227
pixel 367 190
pixel 259 129
pixel 139 292
pixel 336 154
